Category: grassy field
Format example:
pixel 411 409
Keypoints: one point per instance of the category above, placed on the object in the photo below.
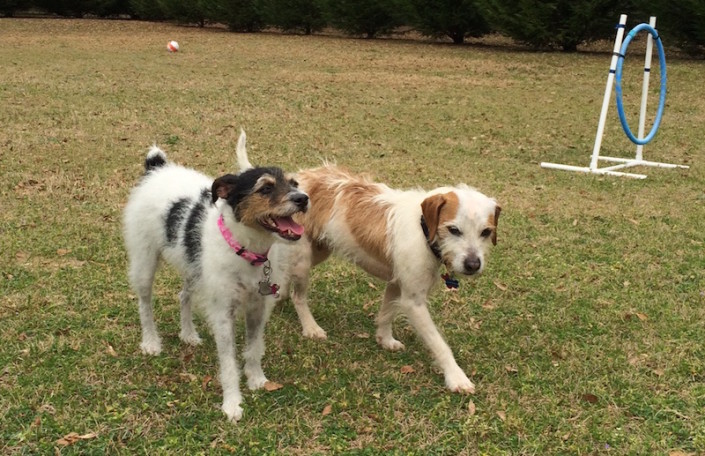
pixel 584 336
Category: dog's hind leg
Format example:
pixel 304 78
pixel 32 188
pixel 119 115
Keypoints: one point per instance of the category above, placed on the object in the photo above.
pixel 143 266
pixel 188 332
pixel 256 316
pixel 385 318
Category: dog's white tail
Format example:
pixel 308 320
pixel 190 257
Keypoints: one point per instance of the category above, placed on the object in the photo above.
pixel 242 161
pixel 155 159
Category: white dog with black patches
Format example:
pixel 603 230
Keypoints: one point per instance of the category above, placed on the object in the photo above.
pixel 402 237
pixel 217 235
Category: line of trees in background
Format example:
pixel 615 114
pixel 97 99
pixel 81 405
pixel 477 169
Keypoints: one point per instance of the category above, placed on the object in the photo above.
pixel 559 24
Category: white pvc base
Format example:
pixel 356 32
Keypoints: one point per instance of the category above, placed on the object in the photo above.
pixel 612 170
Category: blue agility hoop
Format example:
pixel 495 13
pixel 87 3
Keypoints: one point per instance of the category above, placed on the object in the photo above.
pixel 618 86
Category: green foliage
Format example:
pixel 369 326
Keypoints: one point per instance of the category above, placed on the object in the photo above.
pixel 198 12
pixel 305 16
pixel 456 19
pixel 80 8
pixel 244 15
pixel 553 23
pixel 369 18
pixel 684 21
pixel 8 8
pixel 561 24
pixel 147 10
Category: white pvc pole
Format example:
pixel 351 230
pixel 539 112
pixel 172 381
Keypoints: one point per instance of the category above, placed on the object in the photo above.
pixel 608 92
pixel 645 89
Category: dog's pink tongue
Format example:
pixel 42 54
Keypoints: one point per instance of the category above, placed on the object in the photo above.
pixel 288 224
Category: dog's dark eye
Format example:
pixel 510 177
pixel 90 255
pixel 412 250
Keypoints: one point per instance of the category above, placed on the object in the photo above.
pixel 487 232
pixel 454 231
pixel 293 183
pixel 266 189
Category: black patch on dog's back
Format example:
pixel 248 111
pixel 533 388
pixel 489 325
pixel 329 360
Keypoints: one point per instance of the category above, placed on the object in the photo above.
pixel 193 228
pixel 174 219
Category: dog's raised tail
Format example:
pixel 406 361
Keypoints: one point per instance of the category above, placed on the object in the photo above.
pixel 156 158
pixel 242 161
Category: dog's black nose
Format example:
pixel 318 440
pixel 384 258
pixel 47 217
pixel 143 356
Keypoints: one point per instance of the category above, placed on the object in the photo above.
pixel 472 264
pixel 300 199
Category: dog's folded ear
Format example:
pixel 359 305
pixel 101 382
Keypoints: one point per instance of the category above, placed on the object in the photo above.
pixel 223 186
pixel 431 210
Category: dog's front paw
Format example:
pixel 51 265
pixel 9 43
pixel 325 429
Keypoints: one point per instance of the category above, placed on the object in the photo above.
pixel 191 338
pixel 390 343
pixel 315 332
pixel 233 411
pixel 460 383
pixel 151 346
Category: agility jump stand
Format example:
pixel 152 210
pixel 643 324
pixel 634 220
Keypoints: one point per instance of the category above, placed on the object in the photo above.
pixel 618 54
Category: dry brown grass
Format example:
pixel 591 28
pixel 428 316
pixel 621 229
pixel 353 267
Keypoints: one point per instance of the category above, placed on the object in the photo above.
pixel 584 336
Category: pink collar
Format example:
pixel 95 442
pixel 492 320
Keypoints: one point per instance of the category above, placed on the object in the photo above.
pixel 255 259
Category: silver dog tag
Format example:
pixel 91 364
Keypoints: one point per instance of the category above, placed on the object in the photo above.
pixel 266 289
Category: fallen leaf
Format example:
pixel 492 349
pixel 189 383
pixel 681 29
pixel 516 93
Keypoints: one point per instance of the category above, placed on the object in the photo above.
pixel 642 316
pixel 511 369
pixel 206 380
pixel 637 359
pixel 62 252
pixel 407 370
pixel 488 305
pixel 500 285
pixel 362 336
pixel 502 415
pixel 73 437
pixel 47 408
pixel 188 376
pixel 272 386
pixel 565 436
pixel 658 372
pixel 111 351
pixel 326 410
pixel 591 398
pixel 471 408
pixel 371 285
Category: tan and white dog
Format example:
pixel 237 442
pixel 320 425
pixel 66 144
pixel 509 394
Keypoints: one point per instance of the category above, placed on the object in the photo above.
pixel 402 237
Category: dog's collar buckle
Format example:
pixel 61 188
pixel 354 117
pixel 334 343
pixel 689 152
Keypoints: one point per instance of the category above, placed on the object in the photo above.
pixel 255 259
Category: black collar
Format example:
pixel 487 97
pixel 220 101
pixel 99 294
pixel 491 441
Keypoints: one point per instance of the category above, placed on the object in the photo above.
pixel 431 245
pixel 448 278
